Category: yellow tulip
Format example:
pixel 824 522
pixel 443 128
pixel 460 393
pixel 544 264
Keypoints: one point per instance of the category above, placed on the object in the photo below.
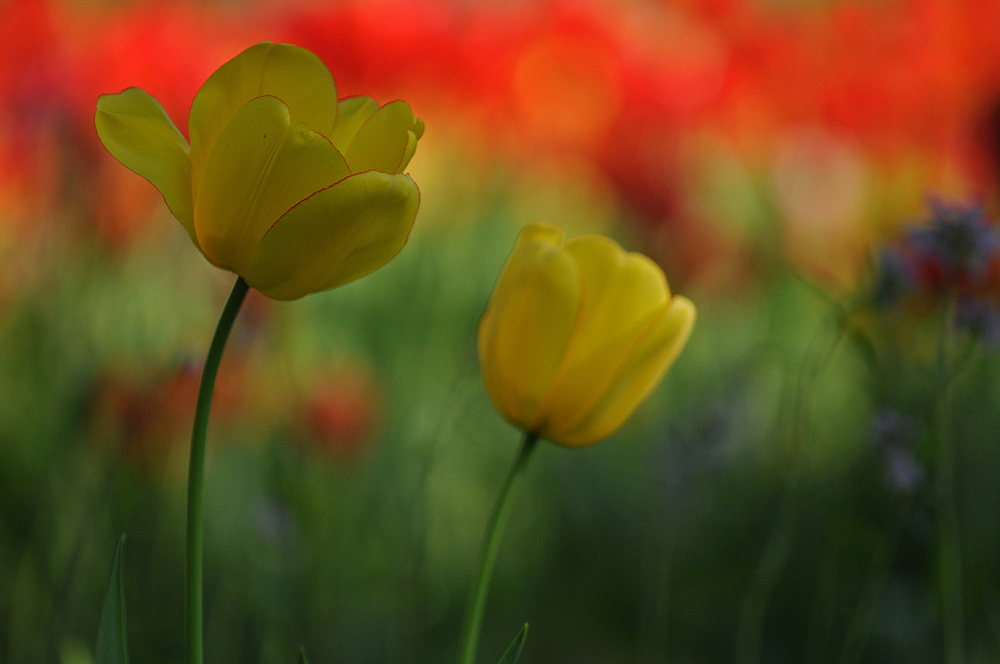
pixel 576 335
pixel 282 184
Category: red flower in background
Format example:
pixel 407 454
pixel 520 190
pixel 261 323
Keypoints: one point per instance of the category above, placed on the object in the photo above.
pixel 31 105
pixel 342 412
pixel 145 418
pixel 626 88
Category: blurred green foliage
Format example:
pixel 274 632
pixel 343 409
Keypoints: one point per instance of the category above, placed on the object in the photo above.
pixel 745 514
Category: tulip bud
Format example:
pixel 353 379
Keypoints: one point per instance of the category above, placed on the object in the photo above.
pixel 577 334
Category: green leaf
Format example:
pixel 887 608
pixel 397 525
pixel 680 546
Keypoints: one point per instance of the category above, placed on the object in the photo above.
pixel 112 647
pixel 302 656
pixel 514 649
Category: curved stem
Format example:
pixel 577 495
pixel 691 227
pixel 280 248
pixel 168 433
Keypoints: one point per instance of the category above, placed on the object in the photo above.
pixel 491 545
pixel 196 473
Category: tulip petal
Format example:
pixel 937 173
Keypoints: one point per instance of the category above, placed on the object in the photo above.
pixel 137 131
pixel 411 148
pixel 647 361
pixel 290 73
pixel 413 135
pixel 381 142
pixel 260 168
pixel 528 322
pixel 352 112
pixel 621 294
pixel 335 236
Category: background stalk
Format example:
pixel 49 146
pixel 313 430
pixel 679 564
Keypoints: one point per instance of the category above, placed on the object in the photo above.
pixel 949 547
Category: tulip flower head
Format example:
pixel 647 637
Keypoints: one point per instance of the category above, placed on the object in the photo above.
pixel 577 334
pixel 281 183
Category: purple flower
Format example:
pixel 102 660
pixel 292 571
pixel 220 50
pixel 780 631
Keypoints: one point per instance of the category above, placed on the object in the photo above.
pixel 894 436
pixel 958 245
pixel 980 318
pixel 894 278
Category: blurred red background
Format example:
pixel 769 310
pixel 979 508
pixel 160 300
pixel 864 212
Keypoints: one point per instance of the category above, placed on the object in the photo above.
pixel 820 98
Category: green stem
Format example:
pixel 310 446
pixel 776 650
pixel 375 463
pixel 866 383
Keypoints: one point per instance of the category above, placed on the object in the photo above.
pixel 491 545
pixel 196 473
pixel 949 547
